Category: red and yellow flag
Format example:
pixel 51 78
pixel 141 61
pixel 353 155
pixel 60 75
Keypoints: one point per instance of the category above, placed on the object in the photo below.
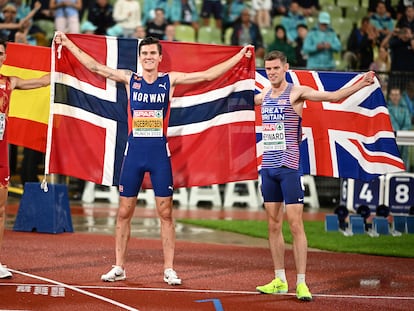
pixel 29 109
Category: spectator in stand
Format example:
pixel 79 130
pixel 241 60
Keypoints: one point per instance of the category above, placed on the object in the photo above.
pixel 400 119
pixel 280 7
pixel 45 13
pixel 10 25
pixel 372 6
pixel 360 46
pixel 309 7
pixel 408 96
pixel 291 20
pixel 407 20
pixel 401 6
pixel 382 66
pixel 212 8
pixel 150 6
pixel 184 12
pixel 281 44
pixel 246 32
pixel 140 32
pixel 231 12
pixel 301 58
pixel 115 31
pixel 127 14
pixel 22 7
pixel 170 33
pixel 88 28
pixel 261 11
pixel 382 21
pixel 321 43
pixel 100 14
pixel 401 46
pixel 67 17
pixel 156 27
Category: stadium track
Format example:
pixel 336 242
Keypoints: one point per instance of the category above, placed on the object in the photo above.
pixel 62 271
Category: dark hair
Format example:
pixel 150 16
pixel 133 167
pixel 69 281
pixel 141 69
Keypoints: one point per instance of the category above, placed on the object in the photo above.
pixel 280 27
pixel 149 41
pixel 276 55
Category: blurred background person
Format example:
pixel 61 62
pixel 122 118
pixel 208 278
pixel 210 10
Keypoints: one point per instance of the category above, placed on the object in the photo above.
pixel 291 20
pixel 212 9
pixel 261 12
pixel 321 43
pixel 281 44
pixel 170 33
pixel 140 32
pixel 184 12
pixel 127 14
pixel 246 32
pixel 66 14
pixel 100 14
pixel 400 119
pixel 301 57
pixel 156 27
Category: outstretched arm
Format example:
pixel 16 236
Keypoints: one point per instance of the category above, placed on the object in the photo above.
pixel 307 93
pixel 90 63
pixel 211 73
pixel 27 84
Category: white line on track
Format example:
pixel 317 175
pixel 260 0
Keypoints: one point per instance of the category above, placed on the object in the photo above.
pixel 76 289
pixel 183 290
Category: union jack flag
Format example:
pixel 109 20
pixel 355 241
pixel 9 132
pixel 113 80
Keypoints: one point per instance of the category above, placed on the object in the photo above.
pixel 349 139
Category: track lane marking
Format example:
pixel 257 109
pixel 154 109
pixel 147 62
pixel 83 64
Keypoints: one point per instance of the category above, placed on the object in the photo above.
pixel 76 289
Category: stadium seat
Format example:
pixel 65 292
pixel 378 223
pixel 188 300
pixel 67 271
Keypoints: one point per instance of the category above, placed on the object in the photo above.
pixel 268 36
pixel 311 22
pixel 324 3
pixel 185 33
pixel 209 35
pixel 227 36
pixel 347 3
pixel 334 11
pixel 355 13
pixel 47 26
pixel 342 27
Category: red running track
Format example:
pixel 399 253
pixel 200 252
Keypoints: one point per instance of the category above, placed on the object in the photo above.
pixel 62 272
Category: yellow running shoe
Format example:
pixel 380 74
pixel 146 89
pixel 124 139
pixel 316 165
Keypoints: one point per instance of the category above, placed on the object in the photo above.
pixel 303 293
pixel 274 287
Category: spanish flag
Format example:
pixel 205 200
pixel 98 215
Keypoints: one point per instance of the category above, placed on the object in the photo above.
pixel 29 109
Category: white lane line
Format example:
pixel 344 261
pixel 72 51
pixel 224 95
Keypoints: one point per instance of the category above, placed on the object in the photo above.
pixel 244 292
pixel 183 290
pixel 76 289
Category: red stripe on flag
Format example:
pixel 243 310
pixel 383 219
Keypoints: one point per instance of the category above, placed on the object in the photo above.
pixel 17 55
pixel 21 127
pixel 86 161
pixel 210 160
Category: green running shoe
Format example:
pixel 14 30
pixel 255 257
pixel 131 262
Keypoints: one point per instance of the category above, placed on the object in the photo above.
pixel 274 287
pixel 303 293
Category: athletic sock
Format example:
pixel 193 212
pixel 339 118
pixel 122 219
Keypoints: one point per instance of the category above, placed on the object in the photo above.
pixel 280 273
pixel 300 278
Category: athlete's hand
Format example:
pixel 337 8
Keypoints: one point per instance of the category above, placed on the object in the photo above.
pixel 247 50
pixel 369 78
pixel 60 38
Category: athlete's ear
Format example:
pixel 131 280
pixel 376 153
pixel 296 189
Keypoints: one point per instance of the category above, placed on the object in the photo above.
pixel 286 66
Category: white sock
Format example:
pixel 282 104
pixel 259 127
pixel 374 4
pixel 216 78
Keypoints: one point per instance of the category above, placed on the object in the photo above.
pixel 280 273
pixel 300 278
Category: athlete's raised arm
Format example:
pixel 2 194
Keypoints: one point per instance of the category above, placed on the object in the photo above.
pixel 118 75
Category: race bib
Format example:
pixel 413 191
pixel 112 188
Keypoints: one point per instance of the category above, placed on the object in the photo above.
pixel 2 125
pixel 273 136
pixel 147 123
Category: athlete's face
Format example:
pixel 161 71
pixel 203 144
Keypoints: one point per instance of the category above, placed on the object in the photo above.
pixel 2 54
pixel 150 57
pixel 276 70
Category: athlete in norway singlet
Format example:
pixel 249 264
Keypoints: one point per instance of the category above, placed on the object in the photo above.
pixel 5 93
pixel 147 148
pixel 281 135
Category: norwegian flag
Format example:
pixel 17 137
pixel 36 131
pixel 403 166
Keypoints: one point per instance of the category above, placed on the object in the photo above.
pixel 211 132
pixel 349 139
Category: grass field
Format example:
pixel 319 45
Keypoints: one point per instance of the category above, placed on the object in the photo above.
pixel 384 245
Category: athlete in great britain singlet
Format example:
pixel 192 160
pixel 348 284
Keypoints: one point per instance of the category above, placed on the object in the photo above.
pixel 5 93
pixel 149 107
pixel 281 135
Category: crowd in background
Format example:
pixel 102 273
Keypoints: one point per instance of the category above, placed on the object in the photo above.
pixel 336 35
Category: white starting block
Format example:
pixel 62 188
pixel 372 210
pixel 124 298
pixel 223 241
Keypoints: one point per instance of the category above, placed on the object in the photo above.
pixel 91 192
pixel 205 194
pixel 180 196
pixel 148 196
pixel 231 195
pixel 311 199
